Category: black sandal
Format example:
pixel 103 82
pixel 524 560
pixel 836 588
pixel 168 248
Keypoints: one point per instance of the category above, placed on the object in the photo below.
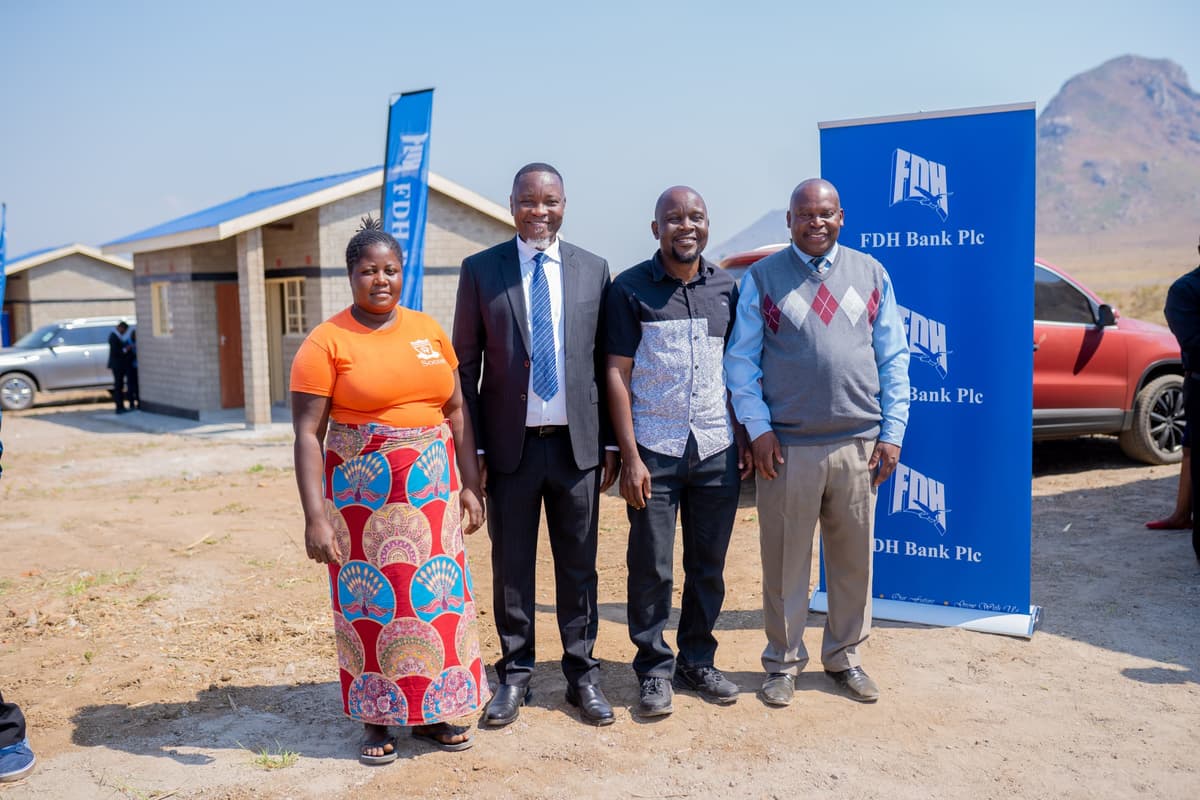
pixel 382 744
pixel 434 735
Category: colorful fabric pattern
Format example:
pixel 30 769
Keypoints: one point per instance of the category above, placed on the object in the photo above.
pixel 403 602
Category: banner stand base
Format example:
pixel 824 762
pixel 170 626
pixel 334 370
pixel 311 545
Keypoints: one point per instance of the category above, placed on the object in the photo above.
pixel 1022 625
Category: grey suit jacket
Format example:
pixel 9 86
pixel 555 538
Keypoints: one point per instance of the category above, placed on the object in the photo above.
pixel 491 339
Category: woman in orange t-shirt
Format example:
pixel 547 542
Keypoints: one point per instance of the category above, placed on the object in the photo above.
pixel 384 507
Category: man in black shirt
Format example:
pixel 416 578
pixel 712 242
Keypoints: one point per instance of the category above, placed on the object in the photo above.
pixel 668 321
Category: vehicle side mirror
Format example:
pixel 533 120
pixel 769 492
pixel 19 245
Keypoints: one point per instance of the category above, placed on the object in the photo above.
pixel 1105 316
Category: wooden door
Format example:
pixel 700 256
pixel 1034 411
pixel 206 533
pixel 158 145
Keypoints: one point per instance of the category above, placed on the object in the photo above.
pixel 229 345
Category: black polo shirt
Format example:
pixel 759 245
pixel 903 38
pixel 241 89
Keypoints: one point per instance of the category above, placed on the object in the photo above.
pixel 676 335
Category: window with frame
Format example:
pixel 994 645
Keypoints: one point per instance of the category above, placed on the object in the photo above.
pixel 1055 300
pixel 160 302
pixel 293 306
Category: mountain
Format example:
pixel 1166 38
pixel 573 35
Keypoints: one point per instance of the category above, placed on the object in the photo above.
pixel 1119 145
pixel 1118 177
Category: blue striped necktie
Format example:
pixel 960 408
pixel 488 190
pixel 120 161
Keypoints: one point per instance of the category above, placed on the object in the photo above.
pixel 545 372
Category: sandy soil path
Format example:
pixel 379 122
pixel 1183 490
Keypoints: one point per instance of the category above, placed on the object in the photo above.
pixel 167 638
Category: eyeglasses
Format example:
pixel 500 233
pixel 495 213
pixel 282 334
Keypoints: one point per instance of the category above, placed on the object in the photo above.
pixel 824 216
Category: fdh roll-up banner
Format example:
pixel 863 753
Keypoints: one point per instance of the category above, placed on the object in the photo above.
pixel 945 201
pixel 3 275
pixel 406 185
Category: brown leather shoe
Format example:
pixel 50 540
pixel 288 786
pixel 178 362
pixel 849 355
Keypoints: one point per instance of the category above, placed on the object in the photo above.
pixel 856 683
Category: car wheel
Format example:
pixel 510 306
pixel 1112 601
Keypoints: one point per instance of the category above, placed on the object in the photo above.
pixel 16 391
pixel 1156 436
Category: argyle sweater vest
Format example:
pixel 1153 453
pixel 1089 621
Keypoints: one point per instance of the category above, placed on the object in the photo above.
pixel 820 380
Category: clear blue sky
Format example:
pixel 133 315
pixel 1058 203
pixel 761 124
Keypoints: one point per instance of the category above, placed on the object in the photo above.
pixel 121 115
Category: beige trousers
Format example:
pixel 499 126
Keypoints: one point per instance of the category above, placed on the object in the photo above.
pixel 829 484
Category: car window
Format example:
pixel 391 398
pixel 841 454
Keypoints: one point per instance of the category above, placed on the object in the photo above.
pixel 37 338
pixel 82 336
pixel 1055 300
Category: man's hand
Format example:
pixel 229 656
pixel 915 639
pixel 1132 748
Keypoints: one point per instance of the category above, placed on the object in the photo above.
pixel 635 483
pixel 482 477
pixel 767 453
pixel 612 467
pixel 745 457
pixel 883 461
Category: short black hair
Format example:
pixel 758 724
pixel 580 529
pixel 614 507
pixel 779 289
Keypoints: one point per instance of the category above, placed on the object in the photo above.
pixel 370 234
pixel 538 166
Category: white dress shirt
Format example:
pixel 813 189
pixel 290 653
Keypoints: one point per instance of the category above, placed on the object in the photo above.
pixel 538 410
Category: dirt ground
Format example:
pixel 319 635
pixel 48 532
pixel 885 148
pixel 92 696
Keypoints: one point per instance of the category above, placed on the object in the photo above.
pixel 166 637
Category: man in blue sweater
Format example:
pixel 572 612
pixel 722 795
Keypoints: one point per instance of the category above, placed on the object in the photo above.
pixel 1183 316
pixel 817 369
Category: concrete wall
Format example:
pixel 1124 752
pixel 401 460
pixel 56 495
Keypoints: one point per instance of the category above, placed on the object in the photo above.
pixel 292 242
pixel 182 370
pixel 76 285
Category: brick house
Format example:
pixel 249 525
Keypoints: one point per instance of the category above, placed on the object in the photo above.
pixel 63 283
pixel 226 295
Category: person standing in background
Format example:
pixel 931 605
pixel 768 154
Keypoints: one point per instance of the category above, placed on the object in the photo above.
pixel 119 359
pixel 1182 311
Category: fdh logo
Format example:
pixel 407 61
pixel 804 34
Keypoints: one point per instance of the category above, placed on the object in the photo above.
pixel 914 493
pixel 926 340
pixel 919 180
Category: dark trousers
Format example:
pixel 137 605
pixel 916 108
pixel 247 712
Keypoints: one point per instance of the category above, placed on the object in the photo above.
pixel 133 392
pixel 12 723
pixel 704 493
pixel 547 475
pixel 119 377
pixel 1191 413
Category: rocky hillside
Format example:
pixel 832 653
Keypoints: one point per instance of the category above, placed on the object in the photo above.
pixel 1120 145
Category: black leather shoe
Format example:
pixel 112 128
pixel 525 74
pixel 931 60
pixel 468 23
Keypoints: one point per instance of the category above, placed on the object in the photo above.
pixel 856 684
pixel 506 704
pixel 593 707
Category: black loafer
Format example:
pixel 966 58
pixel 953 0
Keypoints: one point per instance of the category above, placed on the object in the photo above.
pixel 506 704
pixel 593 707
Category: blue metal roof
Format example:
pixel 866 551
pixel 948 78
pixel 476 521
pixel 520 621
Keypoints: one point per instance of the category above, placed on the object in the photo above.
pixel 35 254
pixel 241 206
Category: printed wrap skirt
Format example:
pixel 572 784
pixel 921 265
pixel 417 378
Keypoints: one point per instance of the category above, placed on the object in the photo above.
pixel 403 602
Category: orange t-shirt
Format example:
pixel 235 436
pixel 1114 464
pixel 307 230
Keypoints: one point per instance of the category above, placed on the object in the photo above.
pixel 399 376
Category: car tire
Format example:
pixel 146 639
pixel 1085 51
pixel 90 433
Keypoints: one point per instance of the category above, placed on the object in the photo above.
pixel 1156 436
pixel 16 391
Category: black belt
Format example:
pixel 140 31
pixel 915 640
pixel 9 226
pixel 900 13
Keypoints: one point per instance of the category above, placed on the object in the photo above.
pixel 542 431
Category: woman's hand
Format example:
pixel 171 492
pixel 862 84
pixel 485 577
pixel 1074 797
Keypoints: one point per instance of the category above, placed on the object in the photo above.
pixel 321 543
pixel 472 510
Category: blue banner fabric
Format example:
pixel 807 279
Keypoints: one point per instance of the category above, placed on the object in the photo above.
pixel 3 272
pixel 945 201
pixel 406 186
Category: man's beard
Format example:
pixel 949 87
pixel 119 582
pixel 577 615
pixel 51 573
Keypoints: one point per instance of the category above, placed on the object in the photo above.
pixel 692 259
pixel 540 244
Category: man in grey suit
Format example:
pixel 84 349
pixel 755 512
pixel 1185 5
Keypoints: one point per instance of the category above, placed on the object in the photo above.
pixel 529 339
